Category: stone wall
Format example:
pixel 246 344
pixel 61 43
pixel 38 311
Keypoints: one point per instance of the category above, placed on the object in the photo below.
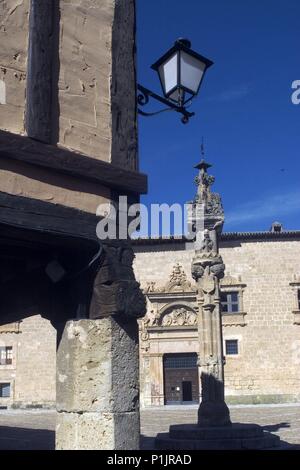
pixel 85 76
pixel 95 91
pixel 33 368
pixel 155 262
pixel 96 87
pixel 267 366
pixel 14 20
pixel 21 179
pixel 97 79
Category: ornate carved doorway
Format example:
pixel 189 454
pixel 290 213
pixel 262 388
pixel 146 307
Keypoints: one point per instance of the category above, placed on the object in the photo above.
pixel 181 382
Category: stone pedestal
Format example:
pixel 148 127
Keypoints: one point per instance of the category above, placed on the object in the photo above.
pixel 97 385
pixel 235 437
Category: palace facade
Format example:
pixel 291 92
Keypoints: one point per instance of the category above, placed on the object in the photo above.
pixel 260 297
pixel 261 326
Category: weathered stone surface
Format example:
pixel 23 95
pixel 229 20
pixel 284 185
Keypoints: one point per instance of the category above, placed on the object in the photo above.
pixel 97 367
pixel 97 431
pixel 13 56
pixel 223 442
pixel 85 71
pixel 237 430
pixel 127 431
pixel 20 179
pixel 97 385
pixel 115 290
pixel 97 79
pixel 91 96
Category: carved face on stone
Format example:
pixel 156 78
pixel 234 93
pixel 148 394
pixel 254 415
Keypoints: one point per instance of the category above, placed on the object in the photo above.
pixel 197 271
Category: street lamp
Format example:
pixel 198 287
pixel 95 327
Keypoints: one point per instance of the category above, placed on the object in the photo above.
pixel 181 71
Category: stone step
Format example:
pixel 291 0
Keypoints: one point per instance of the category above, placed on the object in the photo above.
pixel 266 441
pixel 235 431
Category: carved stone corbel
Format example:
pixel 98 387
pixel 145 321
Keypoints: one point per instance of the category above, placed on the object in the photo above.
pixel 115 290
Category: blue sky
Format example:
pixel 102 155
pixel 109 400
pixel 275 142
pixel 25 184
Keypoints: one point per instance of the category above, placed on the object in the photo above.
pixel 244 111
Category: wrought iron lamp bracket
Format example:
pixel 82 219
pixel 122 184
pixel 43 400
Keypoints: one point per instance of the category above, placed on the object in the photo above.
pixel 144 96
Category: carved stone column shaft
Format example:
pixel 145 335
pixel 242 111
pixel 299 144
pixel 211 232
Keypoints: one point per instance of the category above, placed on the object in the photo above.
pixel 97 385
pixel 207 270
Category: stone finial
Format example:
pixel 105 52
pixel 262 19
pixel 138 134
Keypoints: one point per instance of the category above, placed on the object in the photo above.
pixel 213 209
pixel 203 181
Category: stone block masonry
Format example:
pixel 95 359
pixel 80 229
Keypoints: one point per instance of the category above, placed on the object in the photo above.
pixel 266 368
pixel 31 374
pixel 13 57
pixel 97 385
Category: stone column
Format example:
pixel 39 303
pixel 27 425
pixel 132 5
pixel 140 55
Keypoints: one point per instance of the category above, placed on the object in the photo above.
pixel 98 363
pixel 157 379
pixel 214 430
pixel 97 385
pixel 207 270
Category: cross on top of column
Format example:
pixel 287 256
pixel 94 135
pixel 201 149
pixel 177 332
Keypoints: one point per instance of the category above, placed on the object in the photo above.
pixel 203 165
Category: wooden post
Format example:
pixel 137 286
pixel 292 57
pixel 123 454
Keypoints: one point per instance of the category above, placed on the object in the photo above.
pixel 41 80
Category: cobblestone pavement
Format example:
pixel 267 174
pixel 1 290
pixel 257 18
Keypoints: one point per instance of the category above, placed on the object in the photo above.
pixel 35 429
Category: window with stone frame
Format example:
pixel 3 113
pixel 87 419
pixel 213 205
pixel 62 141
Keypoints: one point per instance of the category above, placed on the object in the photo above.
pixel 5 390
pixel 230 302
pixel 295 284
pixel 231 347
pixel 6 355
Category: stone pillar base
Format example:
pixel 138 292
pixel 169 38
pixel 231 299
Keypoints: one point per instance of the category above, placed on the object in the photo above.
pixel 97 385
pixel 97 431
pixel 235 437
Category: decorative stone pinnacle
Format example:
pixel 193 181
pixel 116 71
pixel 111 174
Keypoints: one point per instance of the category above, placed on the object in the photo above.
pixel 203 181
pixel 206 210
pixel 203 165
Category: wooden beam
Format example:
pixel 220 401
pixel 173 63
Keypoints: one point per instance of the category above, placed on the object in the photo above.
pixel 71 163
pixel 48 223
pixel 49 219
pixel 39 92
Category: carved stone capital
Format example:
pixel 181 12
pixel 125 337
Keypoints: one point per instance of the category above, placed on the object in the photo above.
pixel 209 264
pixel 115 290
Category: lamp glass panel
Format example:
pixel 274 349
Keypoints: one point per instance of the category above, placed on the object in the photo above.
pixel 174 95
pixel 192 71
pixel 168 73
